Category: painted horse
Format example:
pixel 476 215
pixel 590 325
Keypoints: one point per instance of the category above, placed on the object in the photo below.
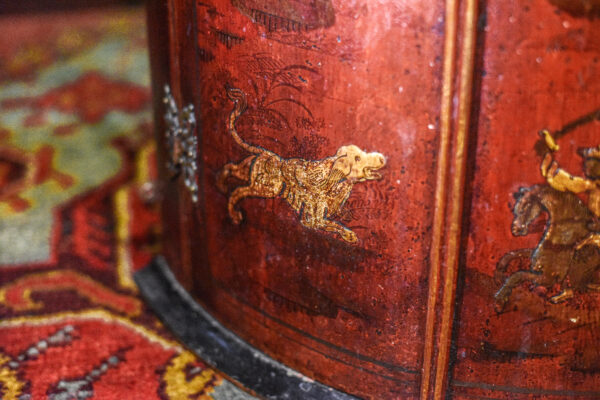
pixel 559 257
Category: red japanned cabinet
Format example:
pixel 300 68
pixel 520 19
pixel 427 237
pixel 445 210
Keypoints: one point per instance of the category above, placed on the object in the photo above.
pixel 381 199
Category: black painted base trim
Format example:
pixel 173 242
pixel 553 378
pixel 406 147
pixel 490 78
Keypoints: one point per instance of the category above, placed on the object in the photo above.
pixel 219 347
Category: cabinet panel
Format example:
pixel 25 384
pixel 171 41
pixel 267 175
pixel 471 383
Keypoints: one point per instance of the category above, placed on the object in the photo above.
pixel 517 336
pixel 325 266
pixel 372 205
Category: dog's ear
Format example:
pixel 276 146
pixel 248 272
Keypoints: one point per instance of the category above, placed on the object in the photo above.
pixel 344 161
pixel 342 164
pixel 340 168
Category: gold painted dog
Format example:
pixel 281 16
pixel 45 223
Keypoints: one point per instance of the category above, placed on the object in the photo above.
pixel 316 190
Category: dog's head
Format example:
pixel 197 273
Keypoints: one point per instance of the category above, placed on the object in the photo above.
pixel 355 165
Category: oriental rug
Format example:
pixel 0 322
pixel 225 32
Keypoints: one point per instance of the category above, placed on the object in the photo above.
pixel 77 216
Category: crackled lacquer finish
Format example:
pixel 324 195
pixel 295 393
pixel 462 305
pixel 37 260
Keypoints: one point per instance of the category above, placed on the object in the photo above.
pixel 530 305
pixel 311 233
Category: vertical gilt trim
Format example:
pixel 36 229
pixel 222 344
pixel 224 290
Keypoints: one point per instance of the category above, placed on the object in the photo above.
pixel 449 66
pixel 447 228
pixel 457 194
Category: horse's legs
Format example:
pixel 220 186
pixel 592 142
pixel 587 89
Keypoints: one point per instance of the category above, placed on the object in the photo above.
pixel 515 280
pixel 583 273
pixel 591 285
pixel 591 239
pixel 506 259
pixel 566 294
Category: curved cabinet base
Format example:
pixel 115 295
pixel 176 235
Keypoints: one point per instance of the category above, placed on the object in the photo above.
pixel 219 347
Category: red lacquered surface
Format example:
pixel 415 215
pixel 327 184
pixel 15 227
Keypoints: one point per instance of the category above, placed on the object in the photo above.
pixel 349 314
pixel 453 95
pixel 541 71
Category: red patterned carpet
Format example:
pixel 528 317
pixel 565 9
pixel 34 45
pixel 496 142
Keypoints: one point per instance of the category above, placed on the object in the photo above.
pixel 76 165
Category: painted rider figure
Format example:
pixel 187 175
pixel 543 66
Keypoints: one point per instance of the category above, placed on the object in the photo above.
pixel 561 180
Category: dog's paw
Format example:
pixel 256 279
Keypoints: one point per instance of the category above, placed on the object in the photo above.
pixel 350 236
pixel 236 217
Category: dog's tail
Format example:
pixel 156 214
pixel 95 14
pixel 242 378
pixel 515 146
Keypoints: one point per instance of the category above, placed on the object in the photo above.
pixel 239 99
